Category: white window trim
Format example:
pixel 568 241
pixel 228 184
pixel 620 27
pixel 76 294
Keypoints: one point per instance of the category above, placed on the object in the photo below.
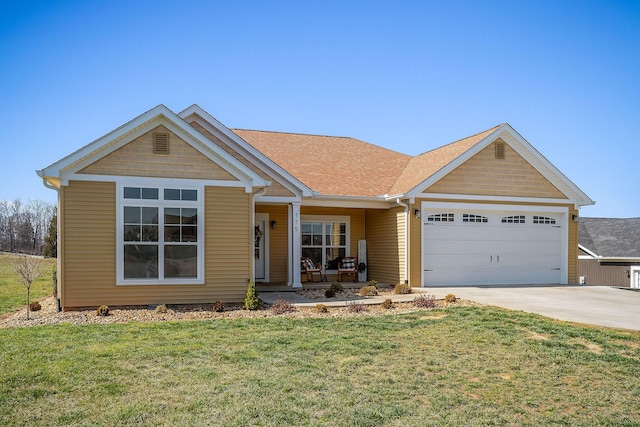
pixel 160 184
pixel 330 218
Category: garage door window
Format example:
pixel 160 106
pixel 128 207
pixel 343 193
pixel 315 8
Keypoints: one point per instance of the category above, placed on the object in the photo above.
pixel 543 220
pixel 513 219
pixel 474 218
pixel 444 217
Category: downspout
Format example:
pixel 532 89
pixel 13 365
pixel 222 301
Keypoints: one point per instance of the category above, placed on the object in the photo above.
pixel 58 246
pixel 255 194
pixel 406 239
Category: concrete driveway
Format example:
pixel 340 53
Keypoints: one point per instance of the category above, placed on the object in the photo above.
pixel 593 305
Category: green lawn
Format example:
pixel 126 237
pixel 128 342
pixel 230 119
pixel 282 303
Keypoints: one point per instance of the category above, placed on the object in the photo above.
pixel 13 295
pixel 453 366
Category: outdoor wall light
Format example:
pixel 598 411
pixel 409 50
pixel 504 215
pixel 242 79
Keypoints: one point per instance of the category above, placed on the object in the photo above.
pixel 274 225
pixel 416 212
pixel 575 218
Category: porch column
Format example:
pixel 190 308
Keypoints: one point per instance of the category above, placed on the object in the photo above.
pixel 294 244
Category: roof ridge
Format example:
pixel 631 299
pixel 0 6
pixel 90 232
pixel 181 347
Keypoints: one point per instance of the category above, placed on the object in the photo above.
pixel 293 133
pixel 409 157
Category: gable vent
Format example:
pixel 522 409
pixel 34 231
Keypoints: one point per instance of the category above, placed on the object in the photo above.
pixel 499 149
pixel 160 143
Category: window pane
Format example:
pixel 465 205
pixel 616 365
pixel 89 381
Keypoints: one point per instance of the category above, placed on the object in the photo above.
pixel 150 193
pixel 316 227
pixel 189 233
pixel 189 195
pixel 317 240
pixel 149 215
pixel 140 261
pixel 171 194
pixel 314 253
pixel 131 233
pixel 131 215
pixel 306 228
pixel 180 261
pixel 172 233
pixel 131 192
pixel 306 240
pixel 189 216
pixel 334 256
pixel 149 233
pixel 172 216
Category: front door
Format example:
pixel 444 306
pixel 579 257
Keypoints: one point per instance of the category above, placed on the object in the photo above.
pixel 261 245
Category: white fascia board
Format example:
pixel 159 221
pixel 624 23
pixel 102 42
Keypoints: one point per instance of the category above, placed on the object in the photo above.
pixel 489 199
pixel 550 172
pixel 455 163
pixel 217 128
pixel 160 115
pixel 618 259
pixel 524 149
pixel 591 253
pixel 347 202
pixel 54 169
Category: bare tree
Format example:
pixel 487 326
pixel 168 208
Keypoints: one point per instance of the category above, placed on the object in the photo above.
pixel 28 269
pixel 23 227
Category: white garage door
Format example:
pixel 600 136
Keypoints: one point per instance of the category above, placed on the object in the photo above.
pixel 473 246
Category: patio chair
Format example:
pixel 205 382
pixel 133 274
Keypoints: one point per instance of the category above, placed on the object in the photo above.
pixel 348 266
pixel 310 268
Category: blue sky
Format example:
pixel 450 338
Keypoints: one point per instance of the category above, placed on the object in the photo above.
pixel 406 75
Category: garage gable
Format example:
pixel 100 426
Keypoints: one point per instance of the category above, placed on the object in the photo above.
pixel 501 165
pixel 497 170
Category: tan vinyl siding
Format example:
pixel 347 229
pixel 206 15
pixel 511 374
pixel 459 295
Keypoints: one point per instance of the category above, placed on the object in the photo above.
pixel 572 269
pixel 385 245
pixel 89 244
pixel 483 174
pixel 278 242
pixel 138 159
pixel 275 189
pixel 229 242
pixel 89 250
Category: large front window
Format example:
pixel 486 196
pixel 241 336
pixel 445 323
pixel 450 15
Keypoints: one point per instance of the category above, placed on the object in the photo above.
pixel 160 235
pixel 325 241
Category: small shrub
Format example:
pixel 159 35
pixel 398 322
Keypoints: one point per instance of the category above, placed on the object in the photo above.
pixel 425 301
pixel 401 289
pixel 336 287
pixel 251 300
pixel 368 291
pixel 103 310
pixel 35 306
pixel 161 308
pixel 356 307
pixel 450 298
pixel 282 306
pixel 321 308
pixel 217 307
pixel 329 293
pixel 387 304
pixel 373 283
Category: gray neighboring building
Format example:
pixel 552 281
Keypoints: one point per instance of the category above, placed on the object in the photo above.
pixel 609 251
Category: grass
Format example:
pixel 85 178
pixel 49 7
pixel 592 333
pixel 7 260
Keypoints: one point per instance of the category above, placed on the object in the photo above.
pixel 453 366
pixel 13 295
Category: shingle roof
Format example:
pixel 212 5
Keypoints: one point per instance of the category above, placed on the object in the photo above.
pixel 345 166
pixel 330 165
pixel 611 237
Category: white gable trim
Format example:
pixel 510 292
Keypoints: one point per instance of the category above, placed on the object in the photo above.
pixel 591 253
pixel 160 115
pixel 524 149
pixel 218 129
